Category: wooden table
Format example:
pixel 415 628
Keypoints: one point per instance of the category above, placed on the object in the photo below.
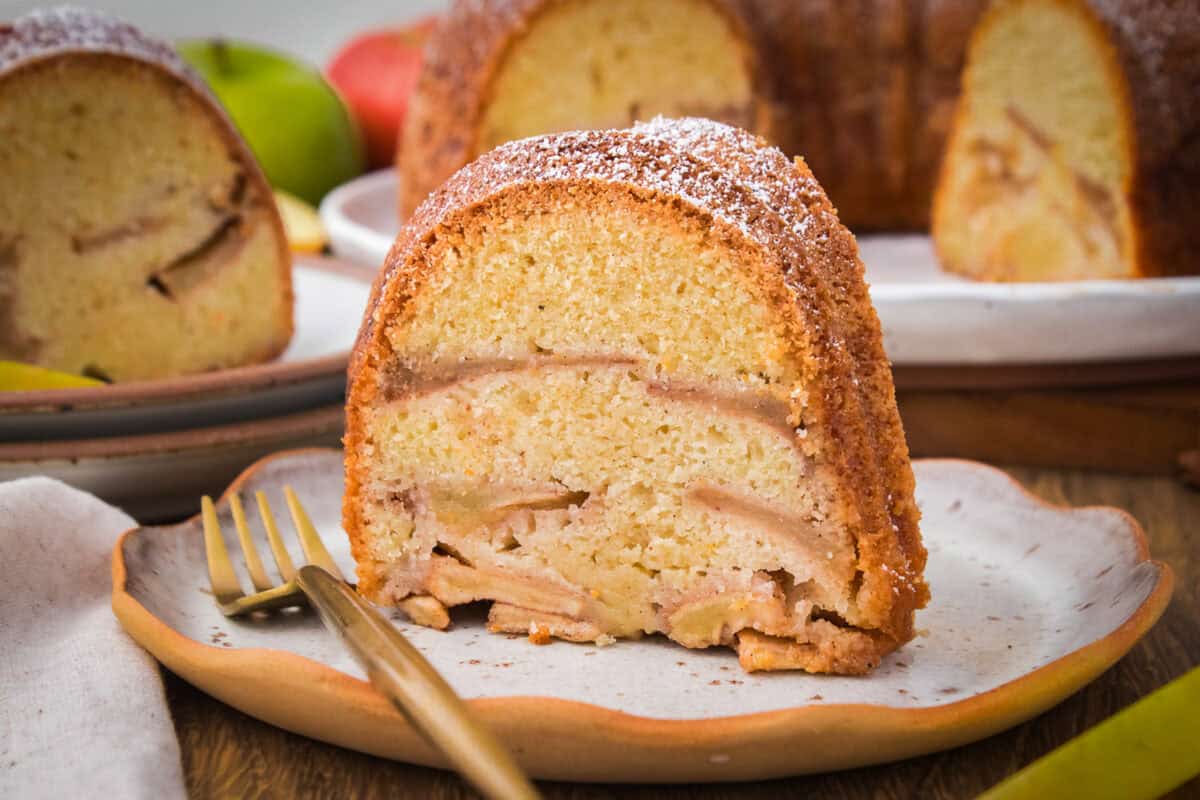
pixel 1105 418
pixel 227 754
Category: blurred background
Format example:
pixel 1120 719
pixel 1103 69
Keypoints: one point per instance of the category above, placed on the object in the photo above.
pixel 296 28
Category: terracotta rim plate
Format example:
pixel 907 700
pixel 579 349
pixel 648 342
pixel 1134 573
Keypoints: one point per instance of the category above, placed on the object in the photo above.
pixel 330 298
pixel 929 316
pixel 1031 602
pixel 160 475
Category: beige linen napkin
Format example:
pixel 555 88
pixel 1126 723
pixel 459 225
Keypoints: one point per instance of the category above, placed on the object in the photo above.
pixel 82 710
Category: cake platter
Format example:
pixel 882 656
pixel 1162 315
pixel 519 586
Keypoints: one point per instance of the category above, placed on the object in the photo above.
pixel 158 476
pixel 330 298
pixel 938 326
pixel 1030 603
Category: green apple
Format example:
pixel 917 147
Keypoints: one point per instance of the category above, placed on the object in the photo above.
pixel 295 123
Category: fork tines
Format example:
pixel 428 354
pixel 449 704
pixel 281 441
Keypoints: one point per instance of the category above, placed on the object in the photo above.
pixel 227 588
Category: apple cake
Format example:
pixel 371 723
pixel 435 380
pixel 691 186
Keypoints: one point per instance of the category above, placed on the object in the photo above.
pixel 630 382
pixel 1075 152
pixel 138 238
pixel 864 91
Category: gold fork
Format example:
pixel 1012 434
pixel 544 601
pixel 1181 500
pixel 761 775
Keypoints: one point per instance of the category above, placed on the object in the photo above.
pixel 393 665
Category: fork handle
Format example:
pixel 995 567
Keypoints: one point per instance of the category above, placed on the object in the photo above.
pixel 398 669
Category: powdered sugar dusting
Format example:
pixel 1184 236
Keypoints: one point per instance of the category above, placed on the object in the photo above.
pixel 1160 45
pixel 46 31
pixel 1143 34
pixel 49 32
pixel 766 171
pixel 465 48
pixel 647 160
pixel 678 158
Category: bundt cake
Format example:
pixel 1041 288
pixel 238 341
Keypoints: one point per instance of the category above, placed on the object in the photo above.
pixel 1075 152
pixel 138 238
pixel 863 90
pixel 629 382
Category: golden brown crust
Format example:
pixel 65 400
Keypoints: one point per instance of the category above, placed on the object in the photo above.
pixel 1155 60
pixel 462 58
pixel 42 38
pixel 777 220
pixel 836 274
pixel 45 33
pixel 863 90
pixel 1157 44
pixel 938 51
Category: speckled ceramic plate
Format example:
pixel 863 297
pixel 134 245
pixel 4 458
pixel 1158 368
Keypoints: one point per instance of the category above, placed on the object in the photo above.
pixel 1030 603
pixel 330 298
pixel 929 316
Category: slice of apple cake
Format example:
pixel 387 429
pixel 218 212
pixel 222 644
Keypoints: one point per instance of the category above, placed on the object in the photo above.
pixel 138 237
pixel 1075 150
pixel 630 382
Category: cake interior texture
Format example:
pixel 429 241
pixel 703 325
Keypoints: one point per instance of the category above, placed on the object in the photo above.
pixel 1035 178
pixel 132 242
pixel 637 61
pixel 585 418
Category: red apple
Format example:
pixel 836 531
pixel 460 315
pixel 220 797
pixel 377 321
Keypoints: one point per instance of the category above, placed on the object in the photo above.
pixel 375 73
